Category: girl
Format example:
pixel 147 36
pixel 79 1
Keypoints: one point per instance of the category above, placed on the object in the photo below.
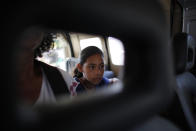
pixel 89 72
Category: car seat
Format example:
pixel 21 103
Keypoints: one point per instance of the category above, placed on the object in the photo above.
pixel 184 56
pixel 71 64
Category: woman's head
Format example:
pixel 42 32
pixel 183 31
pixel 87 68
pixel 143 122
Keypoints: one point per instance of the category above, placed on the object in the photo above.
pixel 91 64
pixel 46 44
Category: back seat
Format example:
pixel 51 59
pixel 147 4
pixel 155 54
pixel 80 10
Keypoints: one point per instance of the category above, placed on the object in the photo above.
pixel 71 64
pixel 184 56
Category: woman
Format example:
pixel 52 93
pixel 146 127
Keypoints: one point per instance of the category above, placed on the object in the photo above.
pixel 89 71
pixel 39 82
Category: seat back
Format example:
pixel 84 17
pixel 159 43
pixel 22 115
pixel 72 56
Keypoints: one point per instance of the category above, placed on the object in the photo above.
pixel 184 52
pixel 71 64
pixel 184 56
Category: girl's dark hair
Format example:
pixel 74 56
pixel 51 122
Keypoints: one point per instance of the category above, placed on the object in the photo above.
pixel 46 44
pixel 84 55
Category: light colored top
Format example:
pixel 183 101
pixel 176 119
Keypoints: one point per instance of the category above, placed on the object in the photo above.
pixel 46 92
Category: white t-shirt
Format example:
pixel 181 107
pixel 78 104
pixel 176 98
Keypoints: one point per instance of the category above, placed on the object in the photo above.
pixel 46 92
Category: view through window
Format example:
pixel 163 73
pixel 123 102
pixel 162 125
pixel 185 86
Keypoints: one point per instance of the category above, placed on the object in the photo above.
pixel 116 50
pixel 58 55
pixel 91 42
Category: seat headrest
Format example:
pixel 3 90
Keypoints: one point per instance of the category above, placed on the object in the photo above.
pixel 71 64
pixel 184 52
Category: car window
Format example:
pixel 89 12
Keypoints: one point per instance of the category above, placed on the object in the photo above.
pixel 116 51
pixel 96 41
pixel 60 52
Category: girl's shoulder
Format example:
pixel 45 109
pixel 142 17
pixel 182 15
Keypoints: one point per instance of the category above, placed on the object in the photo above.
pixel 80 87
pixel 105 80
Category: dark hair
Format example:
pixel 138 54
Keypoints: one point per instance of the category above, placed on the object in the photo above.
pixel 46 44
pixel 84 55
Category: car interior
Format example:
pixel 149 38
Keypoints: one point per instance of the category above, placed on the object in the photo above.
pixel 148 45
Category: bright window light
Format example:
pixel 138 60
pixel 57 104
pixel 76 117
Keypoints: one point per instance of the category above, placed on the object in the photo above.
pixel 56 56
pixel 116 50
pixel 91 42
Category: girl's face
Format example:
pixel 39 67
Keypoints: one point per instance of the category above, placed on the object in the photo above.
pixel 93 69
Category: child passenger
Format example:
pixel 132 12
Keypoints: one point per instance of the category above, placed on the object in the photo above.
pixel 90 69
